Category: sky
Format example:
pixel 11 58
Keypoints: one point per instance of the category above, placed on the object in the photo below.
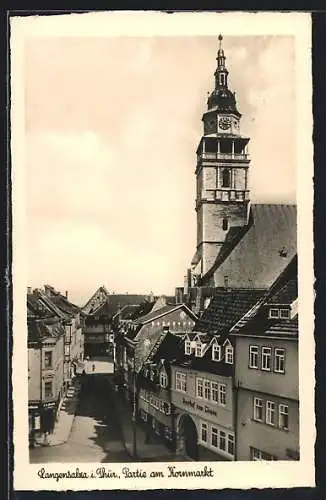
pixel 111 129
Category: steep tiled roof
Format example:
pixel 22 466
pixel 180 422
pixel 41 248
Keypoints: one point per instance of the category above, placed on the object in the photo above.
pixel 267 245
pixel 115 302
pixel 41 302
pixel 162 312
pixel 127 312
pixel 226 308
pixel 64 304
pixel 101 291
pixel 283 291
pixel 286 294
pixel 41 329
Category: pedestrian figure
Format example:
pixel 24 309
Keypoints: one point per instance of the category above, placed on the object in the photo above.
pixel 93 367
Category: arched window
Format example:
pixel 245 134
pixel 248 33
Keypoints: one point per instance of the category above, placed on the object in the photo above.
pixel 225 224
pixel 222 79
pixel 226 178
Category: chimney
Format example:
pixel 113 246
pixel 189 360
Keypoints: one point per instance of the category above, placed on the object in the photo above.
pixel 66 294
pixel 179 295
pixel 29 290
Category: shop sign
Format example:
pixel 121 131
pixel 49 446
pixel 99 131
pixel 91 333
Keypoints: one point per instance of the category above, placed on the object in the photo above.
pixel 199 407
pixel 49 405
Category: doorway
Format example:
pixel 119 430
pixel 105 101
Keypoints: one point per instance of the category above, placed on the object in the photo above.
pixel 188 437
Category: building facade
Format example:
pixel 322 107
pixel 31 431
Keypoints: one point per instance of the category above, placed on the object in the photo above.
pixel 45 373
pixel 154 403
pixel 55 353
pixel 100 311
pixel 267 375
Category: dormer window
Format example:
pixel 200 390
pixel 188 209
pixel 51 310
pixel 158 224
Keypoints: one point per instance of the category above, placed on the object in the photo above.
pixel 216 352
pixel 229 354
pixel 198 349
pixel 274 313
pixel 284 313
pixel 187 347
pixel 163 379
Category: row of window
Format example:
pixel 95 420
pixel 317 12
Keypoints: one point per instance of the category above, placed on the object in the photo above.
pixel 157 403
pixel 221 440
pixel 184 324
pixel 216 351
pixel 159 429
pixel 267 359
pixel 279 313
pixel 211 391
pixel 271 413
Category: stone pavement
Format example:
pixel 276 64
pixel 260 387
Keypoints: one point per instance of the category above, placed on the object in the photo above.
pixel 153 452
pixel 66 416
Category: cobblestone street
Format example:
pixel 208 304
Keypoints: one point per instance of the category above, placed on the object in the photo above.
pixel 95 434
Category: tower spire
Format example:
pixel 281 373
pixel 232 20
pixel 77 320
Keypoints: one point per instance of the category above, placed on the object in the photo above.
pixel 221 73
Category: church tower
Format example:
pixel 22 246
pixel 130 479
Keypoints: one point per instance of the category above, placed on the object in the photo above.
pixel 221 173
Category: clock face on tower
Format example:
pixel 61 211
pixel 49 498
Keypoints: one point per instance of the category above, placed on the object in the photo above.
pixel 225 123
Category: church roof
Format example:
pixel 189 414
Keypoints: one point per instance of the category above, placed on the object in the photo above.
pixel 261 251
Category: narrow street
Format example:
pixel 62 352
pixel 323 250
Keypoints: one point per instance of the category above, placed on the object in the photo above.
pixel 95 434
